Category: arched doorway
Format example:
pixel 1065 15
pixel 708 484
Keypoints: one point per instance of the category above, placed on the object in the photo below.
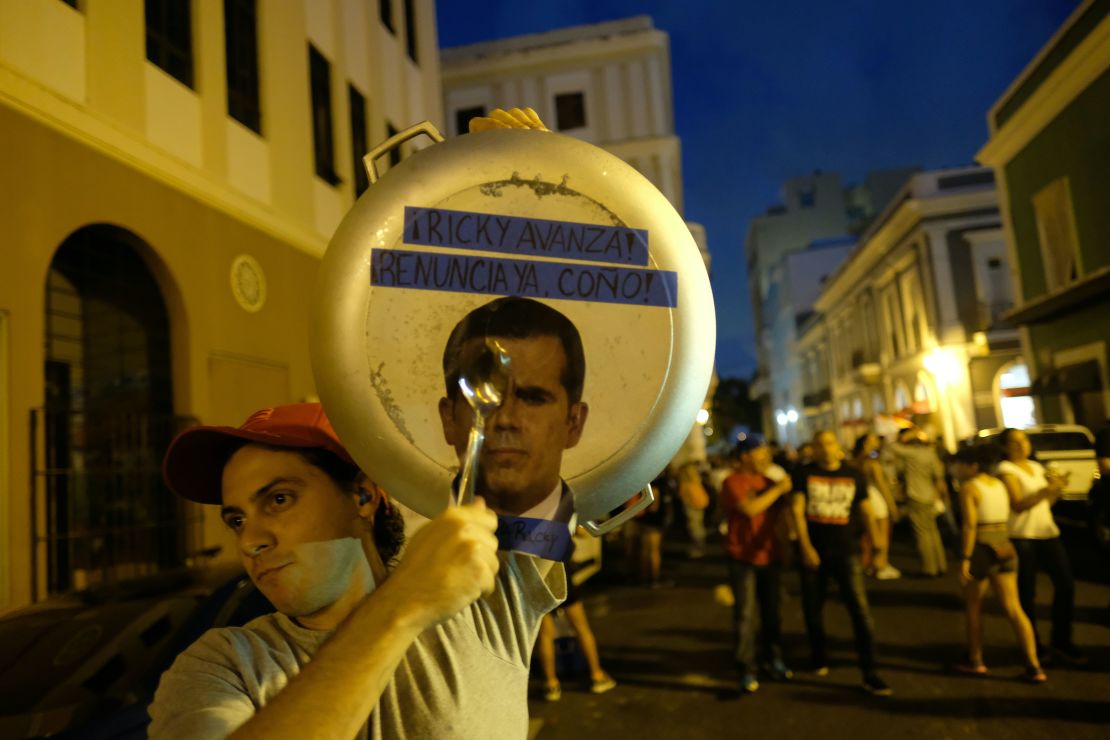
pixel 1013 403
pixel 107 417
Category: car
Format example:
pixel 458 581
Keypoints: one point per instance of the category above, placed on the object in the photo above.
pixel 1067 448
pixel 1100 514
pixel 85 665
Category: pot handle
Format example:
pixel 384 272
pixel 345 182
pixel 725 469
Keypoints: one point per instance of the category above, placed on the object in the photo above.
pixel 647 496
pixel 399 138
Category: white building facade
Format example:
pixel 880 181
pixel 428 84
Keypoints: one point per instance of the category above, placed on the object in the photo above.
pixel 812 208
pixel 608 84
pixel 913 323
pixel 789 250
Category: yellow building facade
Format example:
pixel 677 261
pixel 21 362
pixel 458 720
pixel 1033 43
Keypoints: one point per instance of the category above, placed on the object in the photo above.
pixel 165 200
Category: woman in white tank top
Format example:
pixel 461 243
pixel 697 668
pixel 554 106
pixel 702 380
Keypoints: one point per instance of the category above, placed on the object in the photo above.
pixel 987 555
pixel 1037 539
pixel 865 456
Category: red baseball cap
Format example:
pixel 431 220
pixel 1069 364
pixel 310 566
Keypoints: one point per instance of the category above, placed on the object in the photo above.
pixel 194 464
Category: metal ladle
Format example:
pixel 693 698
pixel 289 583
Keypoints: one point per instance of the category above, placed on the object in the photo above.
pixel 484 379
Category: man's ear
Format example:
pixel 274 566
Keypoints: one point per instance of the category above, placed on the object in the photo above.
pixel 576 421
pixel 369 497
pixel 447 419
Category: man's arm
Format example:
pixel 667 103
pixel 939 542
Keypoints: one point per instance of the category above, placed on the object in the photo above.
pixel 809 553
pixel 900 453
pixel 970 509
pixel 939 480
pixel 763 500
pixel 448 564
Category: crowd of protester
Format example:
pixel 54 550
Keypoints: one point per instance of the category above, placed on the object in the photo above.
pixel 838 510
pixel 827 513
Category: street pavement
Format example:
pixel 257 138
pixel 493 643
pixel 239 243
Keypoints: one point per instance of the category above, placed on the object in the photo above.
pixel 670 652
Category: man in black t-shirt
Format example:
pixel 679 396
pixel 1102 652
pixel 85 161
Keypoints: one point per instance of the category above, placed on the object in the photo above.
pixel 830 498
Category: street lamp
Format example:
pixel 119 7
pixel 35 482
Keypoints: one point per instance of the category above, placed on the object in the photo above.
pixel 943 365
pixel 792 416
pixel 703 416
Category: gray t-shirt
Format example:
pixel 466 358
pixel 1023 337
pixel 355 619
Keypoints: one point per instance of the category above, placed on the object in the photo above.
pixel 464 678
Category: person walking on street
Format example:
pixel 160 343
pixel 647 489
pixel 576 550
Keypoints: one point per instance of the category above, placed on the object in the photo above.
pixel 575 613
pixel 643 535
pixel 925 491
pixel 988 555
pixel 1037 539
pixel 695 500
pixel 754 504
pixel 829 499
pixel 865 457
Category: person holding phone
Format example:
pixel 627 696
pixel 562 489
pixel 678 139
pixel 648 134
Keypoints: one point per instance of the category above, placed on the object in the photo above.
pixel 1033 491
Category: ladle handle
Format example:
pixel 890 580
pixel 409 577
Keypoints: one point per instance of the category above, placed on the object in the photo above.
pixel 371 158
pixel 647 496
pixel 469 479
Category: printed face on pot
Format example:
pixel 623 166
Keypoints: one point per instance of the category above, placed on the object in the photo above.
pixel 541 412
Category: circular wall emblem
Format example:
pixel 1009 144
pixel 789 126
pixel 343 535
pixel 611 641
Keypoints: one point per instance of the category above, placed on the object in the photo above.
pixel 248 283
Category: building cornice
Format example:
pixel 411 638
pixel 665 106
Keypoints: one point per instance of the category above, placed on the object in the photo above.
pixel 812 333
pixel 633 26
pixel 894 230
pixel 458 72
pixel 102 135
pixel 1091 288
pixel 1082 67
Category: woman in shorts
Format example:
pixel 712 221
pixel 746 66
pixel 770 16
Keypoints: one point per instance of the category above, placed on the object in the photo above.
pixel 865 457
pixel 575 614
pixel 989 555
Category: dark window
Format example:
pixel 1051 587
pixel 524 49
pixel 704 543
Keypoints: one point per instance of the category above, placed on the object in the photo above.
pixel 358 138
pixel 994 263
pixel 169 37
pixel 241 40
pixel 385 7
pixel 570 111
pixel 395 152
pixel 410 29
pixel 71 3
pixel 463 116
pixel 965 180
pixel 807 197
pixel 322 142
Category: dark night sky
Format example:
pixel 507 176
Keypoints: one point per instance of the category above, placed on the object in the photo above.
pixel 767 91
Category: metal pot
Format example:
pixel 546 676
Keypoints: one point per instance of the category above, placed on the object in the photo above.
pixel 512 212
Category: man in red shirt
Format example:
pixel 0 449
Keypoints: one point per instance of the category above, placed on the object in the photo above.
pixel 754 503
